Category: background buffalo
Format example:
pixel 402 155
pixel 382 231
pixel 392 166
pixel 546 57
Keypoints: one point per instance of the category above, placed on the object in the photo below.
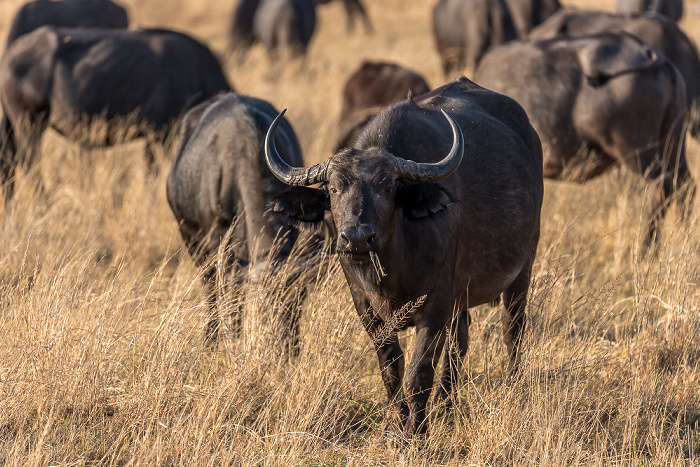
pixel 282 26
pixel 218 187
pixel 465 29
pixel 370 88
pixel 67 14
pixel 579 92
pixel 61 77
pixel 655 30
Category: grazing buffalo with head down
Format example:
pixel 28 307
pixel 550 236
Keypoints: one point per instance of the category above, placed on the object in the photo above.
pixel 672 9
pixel 280 25
pixel 659 32
pixel 219 179
pixel 352 8
pixel 419 231
pixel 67 14
pixel 598 101
pixel 371 88
pixel 59 77
pixel 465 29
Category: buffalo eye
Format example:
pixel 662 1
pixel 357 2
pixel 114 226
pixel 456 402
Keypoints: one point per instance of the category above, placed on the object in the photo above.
pixel 333 190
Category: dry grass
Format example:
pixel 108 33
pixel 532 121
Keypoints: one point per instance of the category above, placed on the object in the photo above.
pixel 101 311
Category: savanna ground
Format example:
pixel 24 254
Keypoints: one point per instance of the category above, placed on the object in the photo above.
pixel 101 310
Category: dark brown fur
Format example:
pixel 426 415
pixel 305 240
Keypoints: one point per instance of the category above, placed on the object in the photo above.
pixel 369 89
pixel 457 243
pixel 219 180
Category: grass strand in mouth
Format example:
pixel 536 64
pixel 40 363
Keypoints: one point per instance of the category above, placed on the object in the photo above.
pixel 377 265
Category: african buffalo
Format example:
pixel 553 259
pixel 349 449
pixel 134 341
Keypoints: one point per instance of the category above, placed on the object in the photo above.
pixel 672 9
pixel 61 77
pixel 423 238
pixel 369 89
pixel 67 14
pixel 598 101
pixel 465 29
pixel 219 178
pixel 658 31
pixel 527 14
pixel 280 25
pixel 352 8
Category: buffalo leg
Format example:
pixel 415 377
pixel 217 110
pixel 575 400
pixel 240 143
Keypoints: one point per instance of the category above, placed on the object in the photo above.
pixel 21 144
pixel 8 156
pixel 430 340
pixel 211 328
pixel 352 8
pixel 667 186
pixel 515 302
pixel 454 354
pixel 391 364
pixel 389 355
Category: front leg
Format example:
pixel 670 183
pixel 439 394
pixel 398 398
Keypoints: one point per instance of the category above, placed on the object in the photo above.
pixel 430 339
pixel 389 354
pixel 453 355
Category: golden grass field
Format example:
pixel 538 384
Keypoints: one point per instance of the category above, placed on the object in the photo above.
pixel 101 310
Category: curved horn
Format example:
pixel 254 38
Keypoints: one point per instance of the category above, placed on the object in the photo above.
pixel 426 172
pixel 296 176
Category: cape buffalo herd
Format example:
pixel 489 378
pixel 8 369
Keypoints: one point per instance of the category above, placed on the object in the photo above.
pixel 59 77
pixel 429 217
pixel 431 199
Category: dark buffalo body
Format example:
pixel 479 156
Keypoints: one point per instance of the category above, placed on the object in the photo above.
pixel 280 25
pixel 527 14
pixel 58 77
pixel 242 33
pixel 672 9
pixel 352 8
pixel 411 221
pixel 598 101
pixel 657 31
pixel 378 84
pixel 67 14
pixel 219 178
pixel 465 29
pixel 369 89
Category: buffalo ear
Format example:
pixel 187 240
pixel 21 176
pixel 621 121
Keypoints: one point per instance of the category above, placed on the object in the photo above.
pixel 300 207
pixel 421 200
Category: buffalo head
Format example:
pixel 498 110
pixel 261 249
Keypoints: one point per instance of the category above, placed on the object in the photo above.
pixel 366 191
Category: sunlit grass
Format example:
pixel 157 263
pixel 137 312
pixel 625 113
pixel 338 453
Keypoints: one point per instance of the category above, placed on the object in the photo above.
pixel 102 311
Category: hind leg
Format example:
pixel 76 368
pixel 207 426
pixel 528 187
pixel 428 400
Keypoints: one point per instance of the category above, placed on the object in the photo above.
pixel 515 302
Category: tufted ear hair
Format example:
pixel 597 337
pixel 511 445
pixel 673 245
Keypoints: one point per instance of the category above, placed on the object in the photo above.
pixel 300 207
pixel 421 200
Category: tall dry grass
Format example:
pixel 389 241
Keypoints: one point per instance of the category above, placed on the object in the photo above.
pixel 101 311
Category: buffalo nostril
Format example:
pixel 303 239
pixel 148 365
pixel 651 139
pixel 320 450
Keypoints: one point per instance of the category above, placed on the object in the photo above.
pixel 370 239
